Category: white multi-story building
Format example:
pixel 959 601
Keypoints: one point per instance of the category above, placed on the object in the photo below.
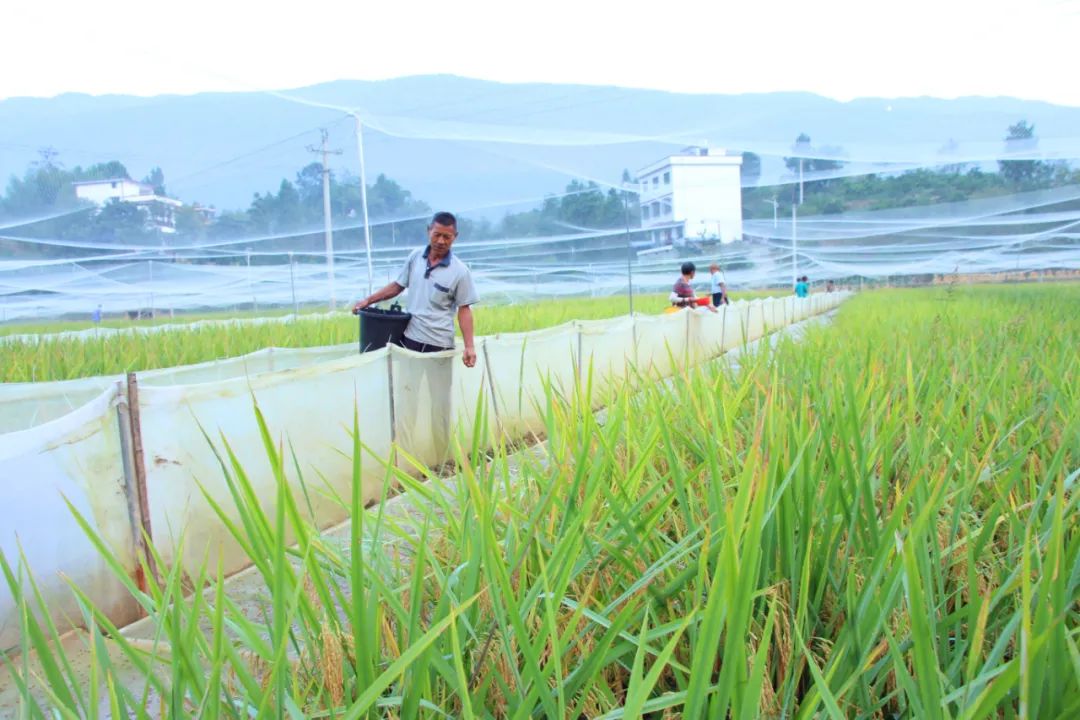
pixel 158 209
pixel 693 195
pixel 100 192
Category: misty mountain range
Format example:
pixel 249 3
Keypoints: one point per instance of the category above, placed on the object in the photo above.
pixel 220 148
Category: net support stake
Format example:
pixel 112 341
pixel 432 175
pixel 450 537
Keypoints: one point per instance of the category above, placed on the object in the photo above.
pixel 138 498
pixel 723 328
pixel 689 352
pixel 364 202
pixel 390 393
pixel 579 343
pixel 491 388
pixel 123 418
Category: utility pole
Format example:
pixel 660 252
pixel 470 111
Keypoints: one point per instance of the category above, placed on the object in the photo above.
pixel 629 249
pixel 775 206
pixel 151 266
pixel 251 285
pixel 802 148
pixel 327 223
pixel 363 200
pixel 292 284
pixel 46 154
pixel 800 182
pixel 794 244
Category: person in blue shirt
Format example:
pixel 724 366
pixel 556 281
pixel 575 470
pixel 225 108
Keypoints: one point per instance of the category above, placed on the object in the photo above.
pixel 802 287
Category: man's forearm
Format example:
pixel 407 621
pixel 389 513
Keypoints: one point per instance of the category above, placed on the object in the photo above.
pixel 465 322
pixel 385 293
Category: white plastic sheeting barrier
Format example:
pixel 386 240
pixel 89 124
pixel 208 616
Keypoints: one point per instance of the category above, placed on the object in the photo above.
pixel 521 367
pixel 755 320
pixel 309 409
pixel 438 402
pixel 697 347
pixel 261 361
pixel 77 458
pixel 423 403
pixel 26 405
pixel 662 342
pixel 606 350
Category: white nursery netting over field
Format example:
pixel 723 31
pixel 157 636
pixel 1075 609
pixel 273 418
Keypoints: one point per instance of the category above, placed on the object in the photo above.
pixel 514 162
pixel 75 442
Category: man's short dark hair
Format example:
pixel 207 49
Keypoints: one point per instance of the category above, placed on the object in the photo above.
pixel 688 268
pixel 444 218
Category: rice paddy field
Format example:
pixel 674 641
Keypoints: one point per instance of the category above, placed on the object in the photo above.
pixel 57 357
pixel 876 521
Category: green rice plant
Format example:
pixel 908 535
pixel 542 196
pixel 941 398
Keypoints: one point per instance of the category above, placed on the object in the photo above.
pixel 569 308
pixel 878 520
pixel 64 358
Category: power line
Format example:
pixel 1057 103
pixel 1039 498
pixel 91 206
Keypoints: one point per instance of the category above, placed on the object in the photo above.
pixel 256 151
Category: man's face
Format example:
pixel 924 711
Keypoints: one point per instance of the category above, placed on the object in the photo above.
pixel 441 237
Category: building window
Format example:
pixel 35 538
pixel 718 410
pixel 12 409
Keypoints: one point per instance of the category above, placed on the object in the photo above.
pixel 656 209
pixel 656 180
pixel 667 178
pixel 645 211
pixel 667 208
pixel 114 185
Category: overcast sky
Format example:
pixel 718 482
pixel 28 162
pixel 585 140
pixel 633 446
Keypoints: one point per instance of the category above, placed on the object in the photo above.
pixel 838 48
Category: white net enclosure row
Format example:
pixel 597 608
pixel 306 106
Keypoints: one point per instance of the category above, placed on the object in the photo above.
pixel 272 198
pixel 29 404
pixel 134 454
pixel 95 333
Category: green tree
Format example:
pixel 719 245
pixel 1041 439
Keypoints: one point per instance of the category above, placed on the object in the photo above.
pixel 309 185
pixel 111 170
pixel 804 149
pixel 1021 139
pixel 751 168
pixel 802 145
pixel 44 187
pixel 277 213
pixel 119 222
pixel 155 179
pixel 231 225
pixel 189 223
pixel 387 199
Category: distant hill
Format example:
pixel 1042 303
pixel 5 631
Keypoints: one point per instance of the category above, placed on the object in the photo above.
pixel 219 148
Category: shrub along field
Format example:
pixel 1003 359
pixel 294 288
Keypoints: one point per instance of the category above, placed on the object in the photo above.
pixel 876 521
pixel 55 357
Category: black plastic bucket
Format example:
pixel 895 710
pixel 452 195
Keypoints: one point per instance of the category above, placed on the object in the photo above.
pixel 379 328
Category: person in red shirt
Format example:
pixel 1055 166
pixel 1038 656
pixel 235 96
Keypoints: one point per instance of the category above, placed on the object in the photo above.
pixel 682 294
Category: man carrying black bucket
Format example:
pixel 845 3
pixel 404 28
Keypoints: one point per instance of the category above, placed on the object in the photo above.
pixel 439 284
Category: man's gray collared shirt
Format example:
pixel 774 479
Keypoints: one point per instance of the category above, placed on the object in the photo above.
pixel 434 296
